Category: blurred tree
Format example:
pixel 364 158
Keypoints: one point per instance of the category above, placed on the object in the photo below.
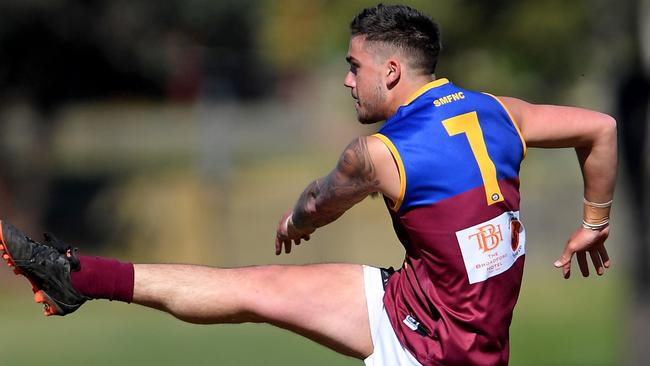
pixel 525 48
pixel 66 51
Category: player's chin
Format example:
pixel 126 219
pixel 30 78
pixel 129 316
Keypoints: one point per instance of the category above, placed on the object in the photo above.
pixel 368 120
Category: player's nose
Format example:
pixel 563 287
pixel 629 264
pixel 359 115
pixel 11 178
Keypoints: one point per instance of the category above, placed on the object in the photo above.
pixel 349 80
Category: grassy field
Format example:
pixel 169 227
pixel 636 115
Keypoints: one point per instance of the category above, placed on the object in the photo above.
pixel 557 322
pixel 581 321
pixel 106 333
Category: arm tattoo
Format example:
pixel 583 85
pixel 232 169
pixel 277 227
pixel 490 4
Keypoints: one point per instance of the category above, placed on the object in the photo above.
pixel 326 199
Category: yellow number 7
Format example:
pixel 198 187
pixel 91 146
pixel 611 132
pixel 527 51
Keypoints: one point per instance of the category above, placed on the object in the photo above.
pixel 468 124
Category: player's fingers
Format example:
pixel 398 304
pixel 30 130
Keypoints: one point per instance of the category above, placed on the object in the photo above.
pixel 598 263
pixel 278 246
pixel 566 270
pixel 603 255
pixel 582 263
pixel 564 259
pixel 564 262
pixel 287 246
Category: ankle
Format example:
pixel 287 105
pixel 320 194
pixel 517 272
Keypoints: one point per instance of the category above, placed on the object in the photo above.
pixel 104 278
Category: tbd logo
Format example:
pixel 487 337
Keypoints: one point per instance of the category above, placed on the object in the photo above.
pixel 488 237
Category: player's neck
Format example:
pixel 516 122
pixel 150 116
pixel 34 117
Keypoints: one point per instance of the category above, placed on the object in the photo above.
pixel 406 89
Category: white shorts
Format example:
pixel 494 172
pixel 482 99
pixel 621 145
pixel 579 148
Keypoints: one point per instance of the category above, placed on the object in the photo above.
pixel 387 348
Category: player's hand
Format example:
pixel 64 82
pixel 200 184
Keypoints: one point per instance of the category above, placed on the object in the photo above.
pixel 585 241
pixel 287 234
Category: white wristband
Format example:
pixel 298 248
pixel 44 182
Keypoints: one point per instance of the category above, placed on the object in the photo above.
pixel 595 227
pixel 596 204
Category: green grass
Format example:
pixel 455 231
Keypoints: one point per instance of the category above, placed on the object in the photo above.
pixel 580 321
pixel 104 333
pixel 557 322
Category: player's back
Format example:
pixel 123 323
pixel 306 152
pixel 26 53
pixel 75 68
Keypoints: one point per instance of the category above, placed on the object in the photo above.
pixel 457 215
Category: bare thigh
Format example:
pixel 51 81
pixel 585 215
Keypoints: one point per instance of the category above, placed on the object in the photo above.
pixel 323 302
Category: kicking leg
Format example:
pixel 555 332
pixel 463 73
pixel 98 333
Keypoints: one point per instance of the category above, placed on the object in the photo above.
pixel 324 302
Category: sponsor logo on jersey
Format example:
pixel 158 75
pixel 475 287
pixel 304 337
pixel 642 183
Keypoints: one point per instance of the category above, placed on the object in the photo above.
pixel 483 249
pixel 487 237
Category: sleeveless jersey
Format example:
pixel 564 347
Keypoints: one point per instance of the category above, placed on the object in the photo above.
pixel 457 215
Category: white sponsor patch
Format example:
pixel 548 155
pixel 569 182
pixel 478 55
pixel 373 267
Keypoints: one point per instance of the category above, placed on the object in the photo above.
pixel 492 247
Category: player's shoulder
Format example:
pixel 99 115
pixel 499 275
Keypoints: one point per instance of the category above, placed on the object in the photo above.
pixel 371 157
pixel 383 153
pixel 359 154
pixel 372 148
pixel 517 107
pixel 378 145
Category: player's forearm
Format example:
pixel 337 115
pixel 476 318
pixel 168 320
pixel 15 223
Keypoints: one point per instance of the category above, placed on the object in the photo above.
pixel 598 161
pixel 318 206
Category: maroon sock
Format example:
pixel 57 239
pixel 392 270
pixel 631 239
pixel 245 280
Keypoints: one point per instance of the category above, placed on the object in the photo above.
pixel 104 278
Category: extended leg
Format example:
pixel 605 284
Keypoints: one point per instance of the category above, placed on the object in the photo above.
pixel 324 302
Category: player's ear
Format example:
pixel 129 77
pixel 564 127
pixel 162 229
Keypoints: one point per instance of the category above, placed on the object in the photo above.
pixel 393 72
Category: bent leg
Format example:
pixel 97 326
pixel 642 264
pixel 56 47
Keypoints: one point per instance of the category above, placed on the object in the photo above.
pixel 324 302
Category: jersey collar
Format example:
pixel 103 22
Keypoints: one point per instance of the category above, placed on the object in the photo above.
pixel 434 84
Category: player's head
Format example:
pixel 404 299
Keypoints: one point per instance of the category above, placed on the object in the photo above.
pixel 385 37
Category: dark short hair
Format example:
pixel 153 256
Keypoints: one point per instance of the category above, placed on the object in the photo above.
pixel 402 27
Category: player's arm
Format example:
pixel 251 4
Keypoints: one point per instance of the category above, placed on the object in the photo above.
pixel 593 135
pixel 363 169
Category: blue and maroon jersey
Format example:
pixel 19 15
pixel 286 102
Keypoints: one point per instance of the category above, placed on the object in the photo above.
pixel 457 215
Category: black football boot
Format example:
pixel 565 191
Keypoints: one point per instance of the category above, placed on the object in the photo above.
pixel 47 266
